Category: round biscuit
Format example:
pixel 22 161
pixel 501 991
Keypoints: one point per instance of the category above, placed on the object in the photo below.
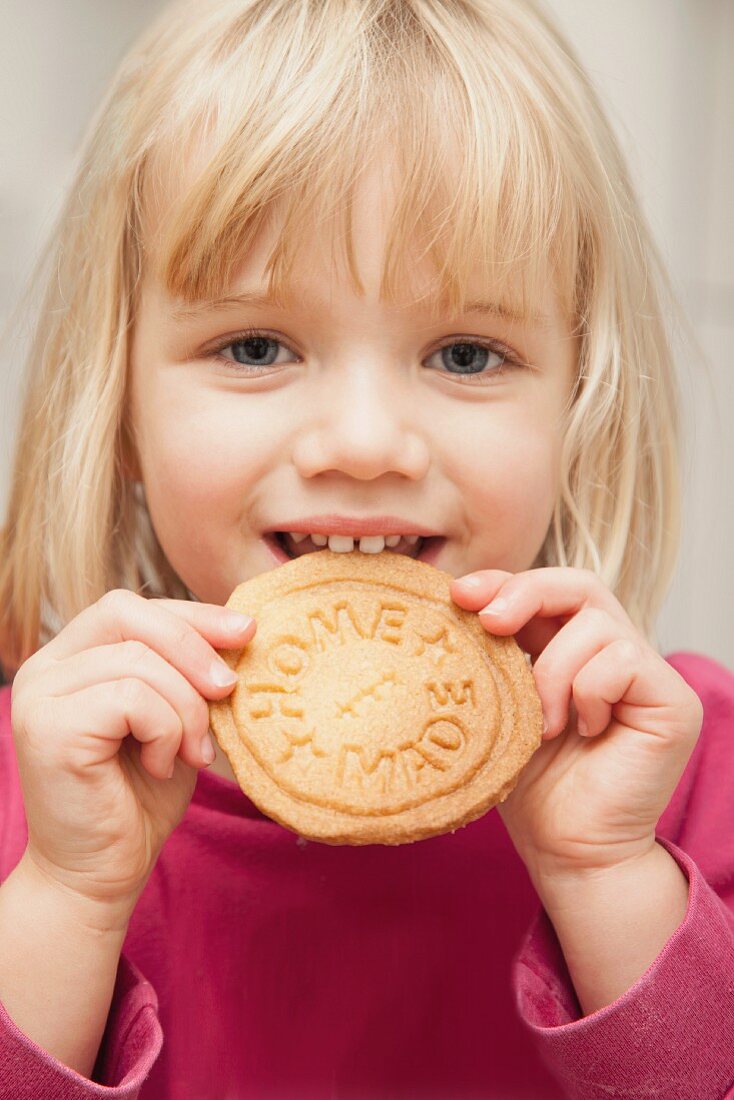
pixel 370 708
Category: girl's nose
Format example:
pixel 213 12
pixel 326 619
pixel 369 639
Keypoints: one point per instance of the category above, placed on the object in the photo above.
pixel 363 423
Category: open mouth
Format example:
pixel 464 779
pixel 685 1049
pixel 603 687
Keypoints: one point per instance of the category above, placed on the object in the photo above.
pixel 285 548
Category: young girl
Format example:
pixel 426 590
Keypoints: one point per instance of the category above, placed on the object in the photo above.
pixel 370 270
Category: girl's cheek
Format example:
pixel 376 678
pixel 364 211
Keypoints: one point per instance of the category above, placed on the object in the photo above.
pixel 516 501
pixel 212 443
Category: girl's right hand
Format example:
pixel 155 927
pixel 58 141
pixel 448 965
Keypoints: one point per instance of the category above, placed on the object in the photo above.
pixel 100 715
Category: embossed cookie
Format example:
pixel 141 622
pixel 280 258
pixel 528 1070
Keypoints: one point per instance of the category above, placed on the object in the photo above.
pixel 370 709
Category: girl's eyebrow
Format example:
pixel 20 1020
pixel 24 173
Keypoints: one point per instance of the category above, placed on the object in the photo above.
pixel 227 301
pixel 251 298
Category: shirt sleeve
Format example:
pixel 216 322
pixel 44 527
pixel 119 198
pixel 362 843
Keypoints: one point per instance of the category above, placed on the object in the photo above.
pixel 130 1045
pixel 671 1033
pixel 133 1036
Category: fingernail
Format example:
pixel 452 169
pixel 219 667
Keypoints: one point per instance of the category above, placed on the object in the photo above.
pixel 222 675
pixel 170 772
pixel 471 580
pixel 496 607
pixel 235 622
pixel 582 728
pixel 208 751
pixel 546 727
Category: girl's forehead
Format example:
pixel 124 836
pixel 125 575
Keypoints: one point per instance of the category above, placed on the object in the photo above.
pixel 320 266
pixel 433 152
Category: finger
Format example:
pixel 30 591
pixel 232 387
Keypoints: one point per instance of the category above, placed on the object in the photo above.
pixel 476 589
pixel 137 660
pixel 534 635
pixel 560 663
pixel 602 682
pixel 90 725
pixel 629 681
pixel 558 592
pixel 481 588
pixel 173 628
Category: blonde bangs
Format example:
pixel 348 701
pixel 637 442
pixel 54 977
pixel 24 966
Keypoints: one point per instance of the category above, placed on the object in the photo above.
pixel 480 182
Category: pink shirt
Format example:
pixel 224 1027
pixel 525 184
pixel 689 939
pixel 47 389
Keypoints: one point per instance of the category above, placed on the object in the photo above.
pixel 259 965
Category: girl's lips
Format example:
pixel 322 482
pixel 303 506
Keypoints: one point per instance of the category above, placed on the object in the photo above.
pixel 430 549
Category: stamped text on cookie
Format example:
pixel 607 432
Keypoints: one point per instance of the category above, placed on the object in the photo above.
pixel 366 702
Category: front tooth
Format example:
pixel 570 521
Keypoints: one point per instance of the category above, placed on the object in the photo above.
pixel 392 540
pixel 412 539
pixel 372 544
pixel 298 536
pixel 340 543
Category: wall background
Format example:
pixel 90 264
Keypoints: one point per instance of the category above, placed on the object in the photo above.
pixel 665 69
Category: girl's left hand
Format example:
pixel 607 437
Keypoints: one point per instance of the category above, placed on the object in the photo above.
pixel 588 802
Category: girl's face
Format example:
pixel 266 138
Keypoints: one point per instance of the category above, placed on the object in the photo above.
pixel 342 405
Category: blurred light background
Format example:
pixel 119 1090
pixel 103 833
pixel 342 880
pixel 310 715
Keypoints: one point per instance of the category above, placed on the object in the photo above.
pixel 665 70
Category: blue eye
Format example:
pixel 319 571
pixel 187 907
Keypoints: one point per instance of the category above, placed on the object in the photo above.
pixel 470 361
pixel 251 349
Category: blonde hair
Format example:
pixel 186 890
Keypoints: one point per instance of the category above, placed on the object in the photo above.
pixel 288 101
